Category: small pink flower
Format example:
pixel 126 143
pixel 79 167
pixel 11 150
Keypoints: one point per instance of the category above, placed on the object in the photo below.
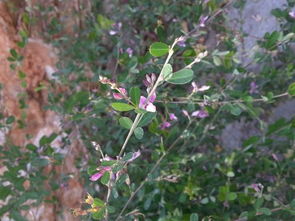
pixel 149 80
pixel 258 187
pixel 203 20
pixel 185 113
pixel 172 116
pixel 129 51
pixel 292 13
pixel 181 43
pixel 146 104
pixel 200 114
pixel 253 88
pixel 165 125
pixel 121 95
pixel 134 156
pixel 197 89
pixel 101 172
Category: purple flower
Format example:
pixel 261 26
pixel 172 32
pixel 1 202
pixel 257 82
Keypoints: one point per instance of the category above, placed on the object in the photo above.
pixel 122 93
pixel 116 28
pixel 165 125
pixel 197 89
pixel 185 113
pixel 172 116
pixel 292 13
pixel 129 51
pixel 258 187
pixel 200 114
pixel 134 156
pixel 253 88
pixel 181 44
pixel 101 172
pixel 146 104
pixel 203 20
pixel 149 80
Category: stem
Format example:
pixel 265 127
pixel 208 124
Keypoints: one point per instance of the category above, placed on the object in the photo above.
pixel 152 170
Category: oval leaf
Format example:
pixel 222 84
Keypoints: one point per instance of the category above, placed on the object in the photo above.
pixel 122 106
pixel 146 119
pixel 126 122
pixel 167 71
pixel 105 178
pixel 181 77
pixel 194 217
pixel 158 49
pixel 135 95
pixel 138 132
pixel 291 89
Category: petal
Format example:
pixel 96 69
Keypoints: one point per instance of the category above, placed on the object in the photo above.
pixel 134 156
pixel 195 113
pixel 204 88
pixel 150 107
pixel 117 96
pixel 96 176
pixel 153 97
pixel 142 102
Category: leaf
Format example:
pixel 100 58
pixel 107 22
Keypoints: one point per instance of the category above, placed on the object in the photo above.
pixel 231 196
pixel 146 119
pixel 128 156
pixel 126 122
pixel 167 70
pixel 105 178
pixel 122 106
pixel 235 110
pixel 158 49
pixel 4 192
pixel 135 95
pixel 291 89
pixel 194 217
pixel 98 215
pixel 108 163
pixel 181 77
pixel 98 202
pixel 138 132
pixel 264 211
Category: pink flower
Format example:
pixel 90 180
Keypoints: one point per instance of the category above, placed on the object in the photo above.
pixel 149 80
pixel 129 51
pixel 253 88
pixel 258 187
pixel 292 13
pixel 101 172
pixel 146 104
pixel 181 43
pixel 185 113
pixel 116 28
pixel 165 125
pixel 200 114
pixel 197 89
pixel 203 20
pixel 172 116
pixel 122 93
pixel 134 156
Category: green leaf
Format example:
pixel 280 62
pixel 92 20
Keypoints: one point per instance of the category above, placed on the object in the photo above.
pixel 105 178
pixel 194 217
pixel 158 49
pixel 235 110
pixel 138 132
pixel 98 202
pixel 128 156
pixel 167 71
pixel 264 211
pixel 135 95
pixel 108 163
pixel 122 106
pixel 4 192
pixel 181 77
pixel 98 215
pixel 292 204
pixel 146 119
pixel 291 89
pixel 231 196
pixel 126 122
pixel 10 120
